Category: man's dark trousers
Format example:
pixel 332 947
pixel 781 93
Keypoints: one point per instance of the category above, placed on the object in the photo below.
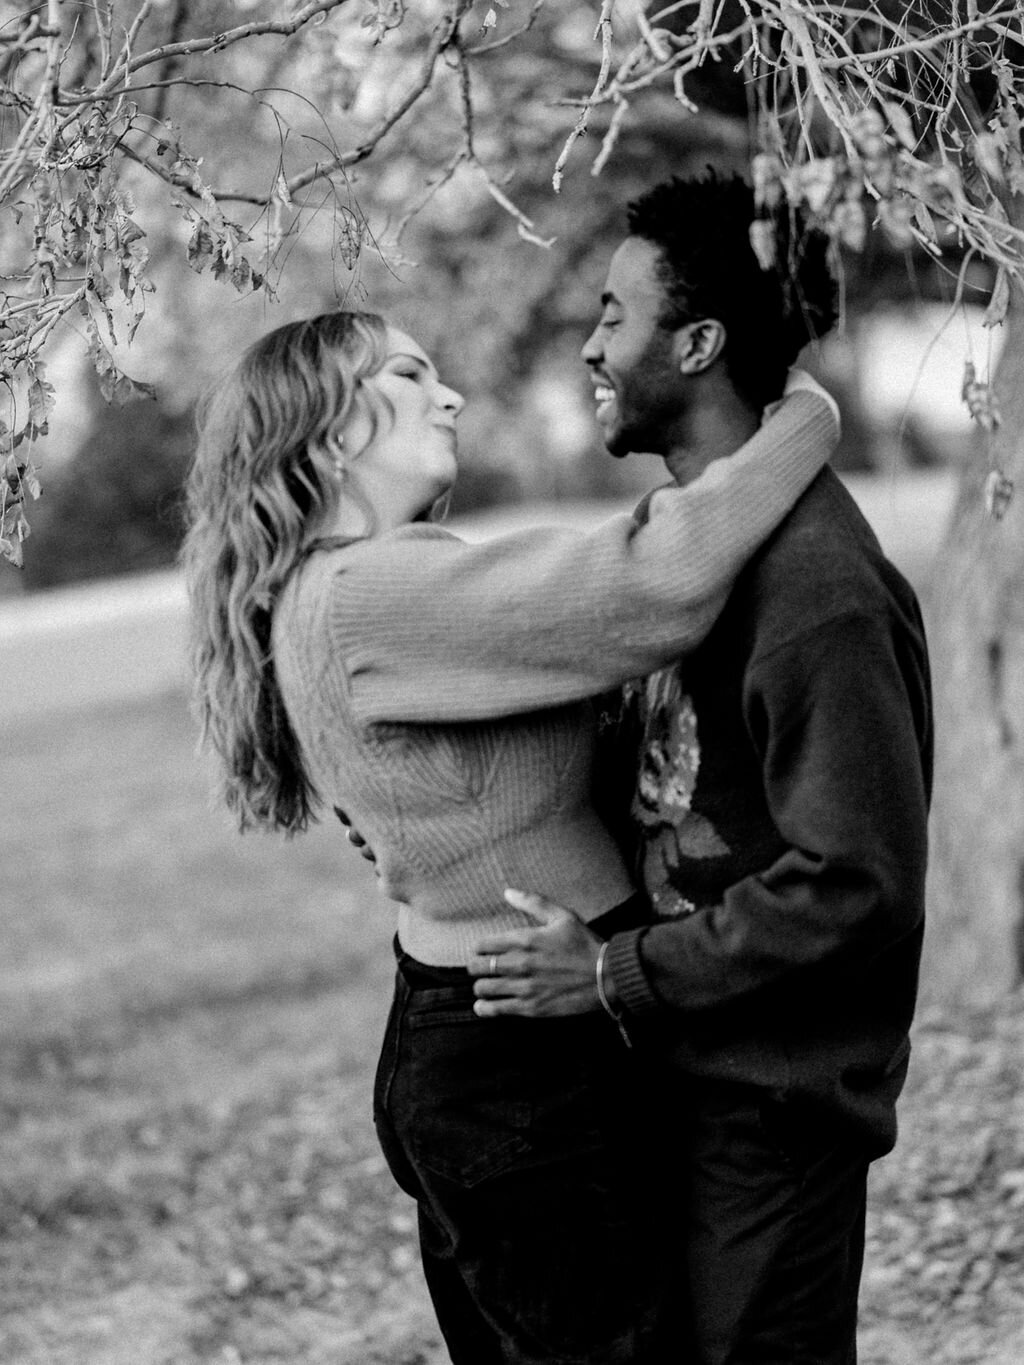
pixel 773 1230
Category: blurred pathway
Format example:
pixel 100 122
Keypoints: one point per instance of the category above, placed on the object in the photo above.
pixel 124 638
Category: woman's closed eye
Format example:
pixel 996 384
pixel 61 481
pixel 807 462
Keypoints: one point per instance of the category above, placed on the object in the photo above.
pixel 409 367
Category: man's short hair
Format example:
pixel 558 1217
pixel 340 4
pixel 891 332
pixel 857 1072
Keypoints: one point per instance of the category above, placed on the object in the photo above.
pixel 701 228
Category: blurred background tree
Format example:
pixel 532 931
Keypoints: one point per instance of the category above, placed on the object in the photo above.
pixel 178 177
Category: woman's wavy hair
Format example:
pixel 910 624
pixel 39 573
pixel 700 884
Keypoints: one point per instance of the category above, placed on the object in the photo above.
pixel 263 479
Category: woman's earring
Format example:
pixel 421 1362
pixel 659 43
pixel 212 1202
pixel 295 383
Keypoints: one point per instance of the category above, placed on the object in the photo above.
pixel 337 461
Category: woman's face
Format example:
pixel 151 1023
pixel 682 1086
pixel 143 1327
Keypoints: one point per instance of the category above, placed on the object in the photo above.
pixel 410 460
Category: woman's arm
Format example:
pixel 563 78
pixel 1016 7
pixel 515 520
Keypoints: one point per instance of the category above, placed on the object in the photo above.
pixel 433 629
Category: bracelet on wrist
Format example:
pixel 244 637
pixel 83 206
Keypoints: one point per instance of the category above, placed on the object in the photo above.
pixel 602 995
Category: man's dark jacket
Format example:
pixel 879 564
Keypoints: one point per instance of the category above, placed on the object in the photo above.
pixel 782 808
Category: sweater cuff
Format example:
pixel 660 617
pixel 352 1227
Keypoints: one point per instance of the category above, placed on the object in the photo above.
pixel 625 967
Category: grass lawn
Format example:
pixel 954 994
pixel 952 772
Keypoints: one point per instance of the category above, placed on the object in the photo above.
pixel 188 1171
pixel 187 1162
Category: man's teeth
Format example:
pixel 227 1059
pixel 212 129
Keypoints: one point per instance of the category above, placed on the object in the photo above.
pixel 604 395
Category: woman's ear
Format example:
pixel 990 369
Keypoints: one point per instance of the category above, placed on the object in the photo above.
pixel 697 345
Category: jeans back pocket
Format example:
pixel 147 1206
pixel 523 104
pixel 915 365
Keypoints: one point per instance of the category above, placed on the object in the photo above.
pixel 459 1102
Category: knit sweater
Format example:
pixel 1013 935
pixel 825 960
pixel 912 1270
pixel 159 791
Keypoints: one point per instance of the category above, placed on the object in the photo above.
pixel 781 810
pixel 439 690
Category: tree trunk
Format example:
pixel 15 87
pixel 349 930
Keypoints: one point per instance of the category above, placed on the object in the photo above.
pixel 975 942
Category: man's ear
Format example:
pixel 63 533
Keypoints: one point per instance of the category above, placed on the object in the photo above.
pixel 697 345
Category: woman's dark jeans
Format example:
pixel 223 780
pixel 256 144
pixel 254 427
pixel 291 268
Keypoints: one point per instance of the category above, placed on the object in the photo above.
pixel 531 1148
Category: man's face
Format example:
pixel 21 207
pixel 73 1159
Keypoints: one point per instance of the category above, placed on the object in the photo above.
pixel 639 389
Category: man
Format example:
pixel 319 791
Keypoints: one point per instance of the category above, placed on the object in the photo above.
pixel 780 809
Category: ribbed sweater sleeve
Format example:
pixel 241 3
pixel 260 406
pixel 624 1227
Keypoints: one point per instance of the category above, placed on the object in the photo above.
pixel 431 629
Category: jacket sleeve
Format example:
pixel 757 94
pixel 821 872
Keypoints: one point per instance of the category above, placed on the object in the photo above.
pixel 430 628
pixel 843 717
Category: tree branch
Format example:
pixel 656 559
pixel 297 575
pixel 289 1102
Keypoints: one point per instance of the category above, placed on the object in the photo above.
pixel 219 41
pixel 442 37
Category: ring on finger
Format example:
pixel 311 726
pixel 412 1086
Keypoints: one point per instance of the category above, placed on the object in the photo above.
pixel 493 965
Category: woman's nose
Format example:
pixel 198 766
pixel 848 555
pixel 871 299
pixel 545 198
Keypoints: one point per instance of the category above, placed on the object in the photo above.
pixel 452 401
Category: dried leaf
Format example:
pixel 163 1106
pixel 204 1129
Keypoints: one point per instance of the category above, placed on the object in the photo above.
pixel 11 551
pixel 201 247
pixel 766 171
pixel 980 399
pixel 945 184
pixel 221 265
pixel 15 530
pixel 985 151
pixel 998 494
pixel 849 225
pixel 926 223
pixel 896 217
pixel 241 274
pixel 901 124
pixel 867 129
pixel 813 182
pixel 762 241
pixel 41 402
pixel 115 386
pixel 1000 300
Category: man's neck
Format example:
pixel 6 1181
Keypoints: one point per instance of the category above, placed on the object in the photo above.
pixel 710 431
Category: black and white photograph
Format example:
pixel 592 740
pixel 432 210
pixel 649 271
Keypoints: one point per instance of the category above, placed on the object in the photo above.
pixel 512 682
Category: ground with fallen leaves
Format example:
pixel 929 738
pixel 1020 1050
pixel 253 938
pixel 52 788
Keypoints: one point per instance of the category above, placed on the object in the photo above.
pixel 188 1171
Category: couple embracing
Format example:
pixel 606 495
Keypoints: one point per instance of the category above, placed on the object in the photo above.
pixel 651 802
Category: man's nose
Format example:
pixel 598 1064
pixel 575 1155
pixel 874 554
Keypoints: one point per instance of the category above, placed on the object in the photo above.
pixel 591 351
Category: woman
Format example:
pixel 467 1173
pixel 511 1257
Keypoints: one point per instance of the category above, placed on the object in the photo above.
pixel 346 652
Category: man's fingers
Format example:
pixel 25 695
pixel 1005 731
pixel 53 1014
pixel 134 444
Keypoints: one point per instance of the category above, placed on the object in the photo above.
pixel 500 948
pixel 500 962
pixel 491 1009
pixel 539 907
pixel 501 987
pixel 354 837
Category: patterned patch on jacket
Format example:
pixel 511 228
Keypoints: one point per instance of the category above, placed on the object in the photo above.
pixel 673 832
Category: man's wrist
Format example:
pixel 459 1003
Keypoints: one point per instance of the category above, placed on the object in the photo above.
pixel 625 972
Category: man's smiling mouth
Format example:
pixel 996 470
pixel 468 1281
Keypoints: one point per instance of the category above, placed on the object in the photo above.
pixel 604 397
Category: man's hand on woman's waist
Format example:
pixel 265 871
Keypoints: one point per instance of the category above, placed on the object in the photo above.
pixel 537 973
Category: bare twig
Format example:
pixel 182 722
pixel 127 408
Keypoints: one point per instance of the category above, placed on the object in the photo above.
pixel 217 42
pixel 484 49
pixel 177 23
pixel 860 108
pixel 443 35
pixel 525 224
pixel 604 30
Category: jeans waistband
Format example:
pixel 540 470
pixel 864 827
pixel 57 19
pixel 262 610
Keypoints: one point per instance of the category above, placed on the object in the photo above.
pixel 424 976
